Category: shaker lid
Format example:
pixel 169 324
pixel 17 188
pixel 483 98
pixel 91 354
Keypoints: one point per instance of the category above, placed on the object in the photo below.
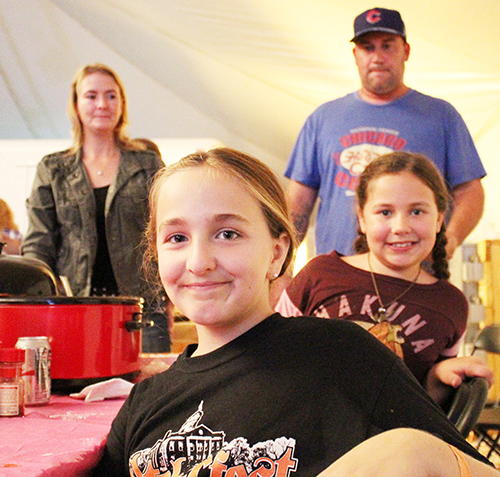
pixel 12 355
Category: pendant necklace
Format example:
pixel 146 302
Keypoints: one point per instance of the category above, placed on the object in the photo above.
pixel 381 314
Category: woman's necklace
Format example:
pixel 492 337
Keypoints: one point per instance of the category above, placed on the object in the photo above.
pixel 382 314
pixel 105 166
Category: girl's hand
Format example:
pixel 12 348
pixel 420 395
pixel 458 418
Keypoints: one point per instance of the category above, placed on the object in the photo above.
pixel 450 373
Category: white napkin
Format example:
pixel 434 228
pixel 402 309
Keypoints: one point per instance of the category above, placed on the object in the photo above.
pixel 112 388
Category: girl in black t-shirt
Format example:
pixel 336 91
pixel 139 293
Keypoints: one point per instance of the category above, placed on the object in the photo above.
pixel 220 230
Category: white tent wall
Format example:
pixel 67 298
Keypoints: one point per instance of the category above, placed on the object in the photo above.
pixel 246 72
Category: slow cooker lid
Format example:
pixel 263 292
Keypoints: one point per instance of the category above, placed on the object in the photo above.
pixel 71 300
pixel 26 276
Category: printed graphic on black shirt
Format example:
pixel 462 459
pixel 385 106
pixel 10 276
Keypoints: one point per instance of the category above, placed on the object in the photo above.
pixel 197 450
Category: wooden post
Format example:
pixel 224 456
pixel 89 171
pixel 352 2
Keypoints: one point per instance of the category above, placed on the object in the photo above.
pixel 489 292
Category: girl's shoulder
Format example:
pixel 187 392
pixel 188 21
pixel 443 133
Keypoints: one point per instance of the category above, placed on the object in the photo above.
pixel 333 270
pixel 328 259
pixel 357 261
pixel 449 289
pixel 443 297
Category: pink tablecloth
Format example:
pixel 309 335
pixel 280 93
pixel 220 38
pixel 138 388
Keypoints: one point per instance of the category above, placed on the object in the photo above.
pixel 62 439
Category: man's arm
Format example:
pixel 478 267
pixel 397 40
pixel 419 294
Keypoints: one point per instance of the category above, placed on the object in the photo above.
pixel 468 205
pixel 301 199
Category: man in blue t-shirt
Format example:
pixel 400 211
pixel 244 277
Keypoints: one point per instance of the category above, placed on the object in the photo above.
pixel 341 137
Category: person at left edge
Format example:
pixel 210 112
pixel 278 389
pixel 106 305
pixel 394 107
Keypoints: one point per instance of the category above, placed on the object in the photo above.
pixel 10 236
pixel 89 204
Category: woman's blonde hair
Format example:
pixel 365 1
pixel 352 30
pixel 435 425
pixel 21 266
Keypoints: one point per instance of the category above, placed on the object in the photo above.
pixel 121 135
pixel 257 179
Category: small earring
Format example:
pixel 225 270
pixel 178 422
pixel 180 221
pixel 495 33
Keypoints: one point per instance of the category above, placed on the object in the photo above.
pixel 275 275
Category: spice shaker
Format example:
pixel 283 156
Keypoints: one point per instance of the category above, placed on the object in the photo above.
pixel 11 382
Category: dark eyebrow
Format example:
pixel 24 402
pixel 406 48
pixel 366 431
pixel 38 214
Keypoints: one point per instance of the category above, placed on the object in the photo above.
pixel 413 204
pixel 421 204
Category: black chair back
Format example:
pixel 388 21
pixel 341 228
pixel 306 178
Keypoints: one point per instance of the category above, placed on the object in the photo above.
pixel 467 404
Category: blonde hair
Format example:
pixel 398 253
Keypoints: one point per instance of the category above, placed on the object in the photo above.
pixel 6 216
pixel 121 135
pixel 257 179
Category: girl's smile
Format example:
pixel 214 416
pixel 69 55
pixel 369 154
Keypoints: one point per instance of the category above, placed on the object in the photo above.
pixel 400 220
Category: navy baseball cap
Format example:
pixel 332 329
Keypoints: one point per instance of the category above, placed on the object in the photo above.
pixel 379 19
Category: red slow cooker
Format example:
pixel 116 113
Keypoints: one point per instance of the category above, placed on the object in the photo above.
pixel 92 338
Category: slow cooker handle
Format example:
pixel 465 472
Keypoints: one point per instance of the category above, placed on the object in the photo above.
pixel 137 323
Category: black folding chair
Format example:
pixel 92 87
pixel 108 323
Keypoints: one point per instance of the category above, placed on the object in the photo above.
pixel 468 403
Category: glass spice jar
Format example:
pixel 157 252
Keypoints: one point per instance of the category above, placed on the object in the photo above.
pixel 11 382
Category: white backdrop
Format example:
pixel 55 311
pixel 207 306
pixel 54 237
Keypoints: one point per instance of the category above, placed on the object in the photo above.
pixel 247 72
